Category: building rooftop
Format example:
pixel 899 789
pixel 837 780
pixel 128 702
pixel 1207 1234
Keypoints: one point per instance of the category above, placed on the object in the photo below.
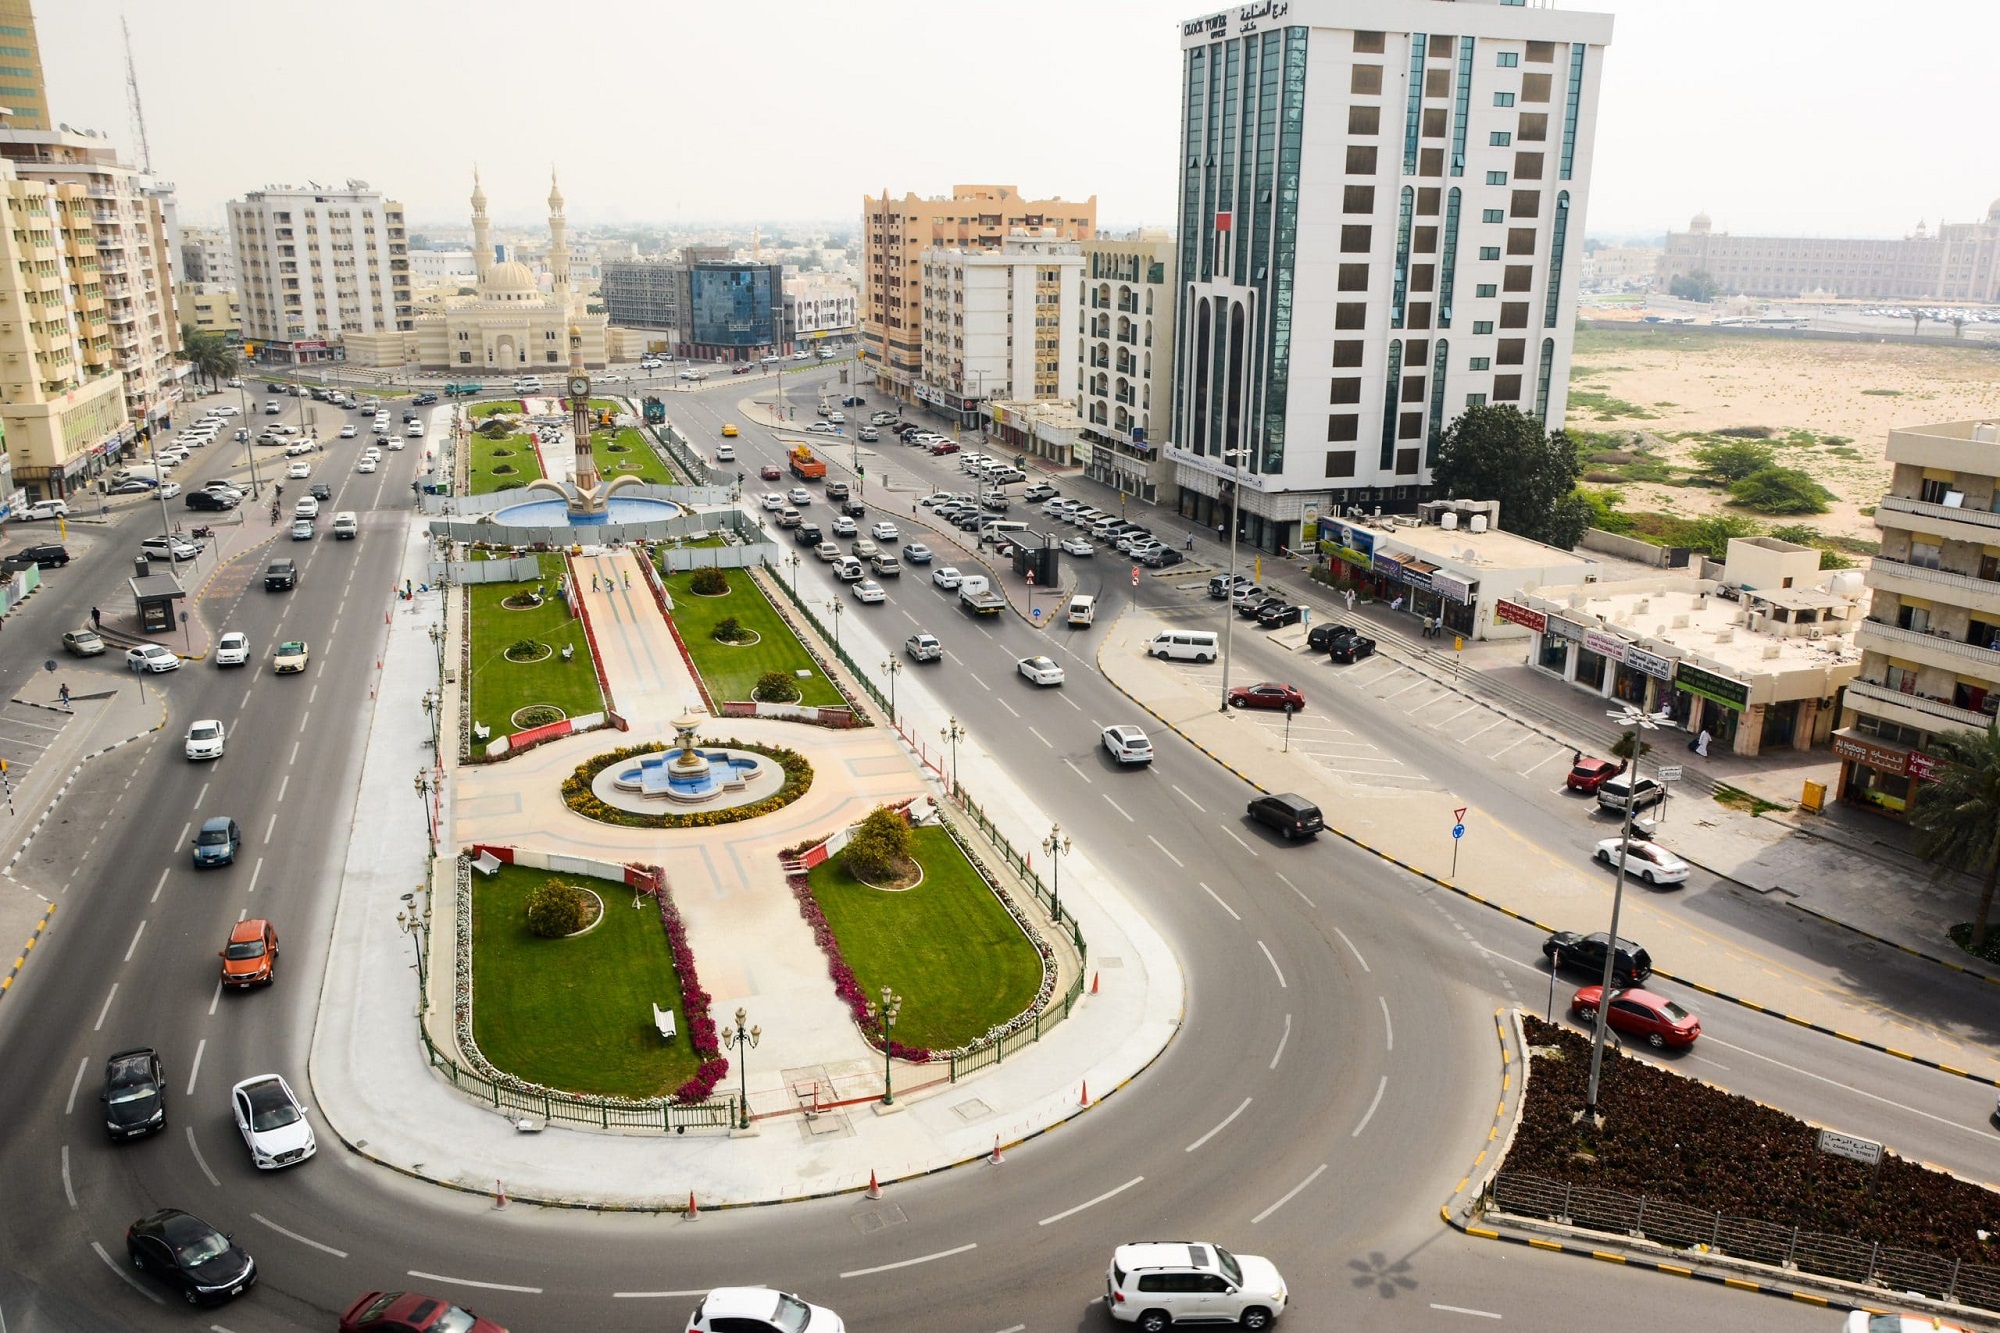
pixel 1462 548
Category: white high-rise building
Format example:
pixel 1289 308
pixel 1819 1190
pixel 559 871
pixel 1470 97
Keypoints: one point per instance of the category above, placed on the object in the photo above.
pixel 317 264
pixel 206 258
pixel 1381 222
pixel 1001 325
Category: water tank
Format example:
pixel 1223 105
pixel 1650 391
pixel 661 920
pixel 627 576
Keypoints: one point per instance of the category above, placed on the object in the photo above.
pixel 1846 584
pixel 1477 523
pixel 1986 433
pixel 1448 520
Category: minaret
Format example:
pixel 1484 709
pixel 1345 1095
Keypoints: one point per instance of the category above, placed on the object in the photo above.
pixel 558 246
pixel 579 404
pixel 482 239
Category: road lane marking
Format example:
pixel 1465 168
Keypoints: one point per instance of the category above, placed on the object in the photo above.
pixel 1190 800
pixel 283 783
pixel 468 1282
pixel 201 796
pixel 312 694
pixel 656 1295
pixel 303 1240
pixel 1088 1203
pixel 1356 952
pixel 1274 964
pixel 194 1070
pixel 1388 1029
pixel 1119 808
pixel 99 1025
pixel 1043 739
pixel 258 869
pixel 1296 889
pixel 1510 745
pixel 307 715
pixel 131 948
pixel 910 1263
pixel 1380 1088
pixel 1079 772
pixel 157 887
pixel 1163 850
pixel 69 1191
pixel 76 1083
pixel 199 1160
pixel 1071 702
pixel 1460 1309
pixel 1004 704
pixel 271 827
pixel 1290 1196
pixel 295 752
pixel 1218 1129
pixel 186 829
pixel 1283 1037
pixel 980 683
pixel 130 1281
pixel 1239 842
pixel 1846 1087
pixel 215 999
pixel 1218 899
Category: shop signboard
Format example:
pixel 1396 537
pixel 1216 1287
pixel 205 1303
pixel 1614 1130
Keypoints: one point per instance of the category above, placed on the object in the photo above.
pixel 1649 664
pixel 1453 587
pixel 1309 524
pixel 1392 567
pixel 1354 545
pixel 1716 689
pixel 1605 645
pixel 1881 758
pixel 1516 614
pixel 1923 767
pixel 1564 629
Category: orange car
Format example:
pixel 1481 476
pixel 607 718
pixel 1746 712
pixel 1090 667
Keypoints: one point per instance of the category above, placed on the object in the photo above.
pixel 251 956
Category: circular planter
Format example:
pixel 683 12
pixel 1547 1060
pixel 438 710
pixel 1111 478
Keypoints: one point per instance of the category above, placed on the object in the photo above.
pixel 503 470
pixel 521 602
pixel 595 921
pixel 522 716
pixel 503 453
pixel 901 888
pixel 751 642
pixel 542 654
pixel 711 596
pixel 797 694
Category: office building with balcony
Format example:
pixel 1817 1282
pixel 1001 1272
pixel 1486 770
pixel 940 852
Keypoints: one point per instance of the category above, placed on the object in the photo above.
pixel 1379 226
pixel 1930 647
pixel 819 310
pixel 642 293
pixel 319 265
pixel 1125 385
pixel 1002 325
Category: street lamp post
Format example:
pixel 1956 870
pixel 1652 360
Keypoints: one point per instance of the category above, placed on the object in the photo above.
pixel 1056 845
pixel 794 561
pixel 1234 458
pixel 892 668
pixel 423 785
pixel 743 1039
pixel 437 633
pixel 952 733
pixel 834 605
pixel 1639 723
pixel 249 449
pixel 413 920
pixel 884 1018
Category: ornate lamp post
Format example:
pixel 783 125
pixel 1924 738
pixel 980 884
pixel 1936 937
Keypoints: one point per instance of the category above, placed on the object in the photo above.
pixel 413 920
pixel 892 668
pixel 1639 723
pixel 952 733
pixel 1056 845
pixel 424 789
pixel 794 562
pixel 884 1018
pixel 434 710
pixel 743 1039
pixel 437 633
pixel 834 606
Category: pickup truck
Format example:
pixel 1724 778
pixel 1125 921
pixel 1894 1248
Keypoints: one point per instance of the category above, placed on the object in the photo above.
pixel 976 595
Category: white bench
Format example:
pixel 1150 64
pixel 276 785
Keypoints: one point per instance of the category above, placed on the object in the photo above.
pixel 480 731
pixel 663 1019
pixel 487 864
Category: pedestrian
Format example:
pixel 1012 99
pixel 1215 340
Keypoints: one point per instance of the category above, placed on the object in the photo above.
pixel 1222 532
pixel 64 693
pixel 1189 544
pixel 96 618
pixel 1349 594
pixel 628 580
pixel 593 583
pixel 1701 743
pixel 1397 605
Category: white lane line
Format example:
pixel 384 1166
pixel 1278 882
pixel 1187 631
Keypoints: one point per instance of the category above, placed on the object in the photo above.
pixel 303 1240
pixel 1296 889
pixel 1461 1309
pixel 1942 1120
pixel 157 887
pixel 1079 772
pixel 271 827
pixel 199 1160
pixel 303 718
pixel 257 870
pixel 1274 965
pixel 1015 1328
pixel 283 783
pixel 656 1295
pixel 186 829
pixel 1119 808
pixel 1191 800
pixel 1356 952
pixel 1218 899
pixel 1239 842
pixel 201 796
pixel 1163 850
pixel 99 1025
pixel 984 687
pixel 69 1191
pixel 295 752
pixel 468 1282
pixel 911 1263
pixel 1283 1037
pixel 1405 690
pixel 1071 702
pixel 215 999
pixel 954 657
pixel 194 1070
pixel 130 1281
pixel 1455 716
pixel 1380 1088
pixel 1004 704
pixel 1219 1128
pixel 133 947
pixel 1043 739
pixel 312 695
pixel 75 1083
pixel 1388 1030
pixel 1294 1193
pixel 1090 1203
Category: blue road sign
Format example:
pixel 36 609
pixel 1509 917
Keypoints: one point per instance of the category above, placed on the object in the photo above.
pixel 1458 830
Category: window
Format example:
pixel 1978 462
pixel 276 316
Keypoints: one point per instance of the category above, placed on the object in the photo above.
pixel 1499 139
pixel 1520 241
pixel 1492 215
pixel 1503 99
pixel 1364 120
pixel 1361 159
pixel 1413 385
pixel 1356 239
pixel 1534 87
pixel 1513 351
pixel 1427 201
pixel 1342 428
pixel 1341 462
pixel 1437 82
pixel 1475 400
pixel 1934 490
pixel 1496 178
pixel 1514 315
pixel 1347 353
pixel 1507 59
pixel 1900 678
pixel 1423 277
pixel 1534 127
pixel 1528 166
pixel 1526 204
pixel 1350 315
pixel 1489 252
pixel 1406 459
pixel 1480 363
pixel 1440 47
pixel 1354 277
pixel 1370 43
pixel 1409 426
pixel 1541 53
pixel 1486 289
pixel 1358 199
pixel 1430 162
pixel 1506 388
pixel 1366 81
pixel 1346 389
pixel 1436 122
pixel 1925 554
pixel 1518 278
pixel 1482 326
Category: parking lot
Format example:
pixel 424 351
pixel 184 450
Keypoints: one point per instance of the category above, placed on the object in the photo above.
pixel 26 733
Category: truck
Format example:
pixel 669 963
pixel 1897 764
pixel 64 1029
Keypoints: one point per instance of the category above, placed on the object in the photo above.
pixel 976 595
pixel 462 390
pixel 805 466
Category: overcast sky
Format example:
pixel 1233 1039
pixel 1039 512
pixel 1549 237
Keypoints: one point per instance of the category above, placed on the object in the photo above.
pixel 1837 118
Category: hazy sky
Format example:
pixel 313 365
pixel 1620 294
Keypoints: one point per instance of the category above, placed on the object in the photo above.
pixel 1835 118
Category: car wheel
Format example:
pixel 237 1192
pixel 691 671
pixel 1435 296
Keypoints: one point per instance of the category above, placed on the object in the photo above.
pixel 1285 833
pixel 1588 1013
pixel 1655 1040
pixel 1256 1318
pixel 1235 703
pixel 1647 876
pixel 191 1296
pixel 1154 1321
pixel 1604 856
pixel 1209 658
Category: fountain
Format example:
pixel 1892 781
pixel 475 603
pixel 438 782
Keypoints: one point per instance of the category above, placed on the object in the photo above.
pixel 688 776
pixel 589 500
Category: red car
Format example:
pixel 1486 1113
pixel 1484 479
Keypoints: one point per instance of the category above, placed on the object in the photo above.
pixel 1639 1013
pixel 251 956
pixel 770 472
pixel 1587 774
pixel 943 447
pixel 411 1312
pixel 1267 694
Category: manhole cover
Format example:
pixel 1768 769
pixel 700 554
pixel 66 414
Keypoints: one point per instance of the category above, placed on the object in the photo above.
pixel 878 1219
pixel 972 1109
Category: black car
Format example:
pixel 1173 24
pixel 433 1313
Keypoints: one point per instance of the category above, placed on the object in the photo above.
pixel 854 400
pixel 281 574
pixel 808 534
pixel 425 399
pixel 1252 608
pixel 409 415
pixel 135 1093
pixel 203 1263
pixel 272 386
pixel 1271 617
pixel 48 555
pixel 972 522
pixel 854 509
pixel 1160 557
pixel 1291 814
pixel 1321 638
pixel 319 490
pixel 1351 646
pixel 1585 953
pixel 211 501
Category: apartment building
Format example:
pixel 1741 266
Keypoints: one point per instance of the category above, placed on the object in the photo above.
pixel 897 232
pixel 1125 385
pixel 1000 325
pixel 1930 647
pixel 209 309
pixel 1379 225
pixel 317 264
pixel 818 308
pixel 23 90
pixel 1961 262
pixel 206 257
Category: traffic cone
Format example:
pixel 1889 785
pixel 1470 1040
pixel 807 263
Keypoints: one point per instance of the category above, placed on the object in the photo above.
pixel 499 1194
pixel 692 1211
pixel 1093 983
pixel 1086 1093
pixel 996 1158
pixel 874 1189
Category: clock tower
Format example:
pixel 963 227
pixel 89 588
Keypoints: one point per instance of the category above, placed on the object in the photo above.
pixel 578 386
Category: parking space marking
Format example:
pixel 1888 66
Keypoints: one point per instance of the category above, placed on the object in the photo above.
pixel 1467 740
pixel 1510 745
pixel 1526 771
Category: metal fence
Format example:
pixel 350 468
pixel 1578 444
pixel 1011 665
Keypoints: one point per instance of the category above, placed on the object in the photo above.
pixel 514 569
pixel 558 1108
pixel 679 559
pixel 1846 1258
pixel 804 608
pixel 684 455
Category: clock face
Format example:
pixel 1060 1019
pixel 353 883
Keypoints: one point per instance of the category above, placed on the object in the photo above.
pixel 579 385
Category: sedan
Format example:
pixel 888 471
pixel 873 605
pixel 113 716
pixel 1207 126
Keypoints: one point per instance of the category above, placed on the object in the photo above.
pixel 1251 607
pixel 307 507
pixel 135 1093
pixel 917 553
pixel 1078 546
pixel 272 1121
pixel 770 472
pixel 799 495
pixel 133 486
pixel 302 530
pixel 1587 774
pixel 1350 647
pixel 151 657
pixel 843 526
pixel 202 1263
pixel 411 1312
pixel 943 447
pixel 886 532
pixel 1041 670
pixel 365 465
pixel 82 643
pixel 945 576
pixel 822 428
pixel 291 658
pixel 757 1309
pixel 1161 557
pixel 868 590
pixel 250 958
pixel 1648 860
pixel 1639 1013
pixel 1267 694
pixel 1272 615
pixel 300 470
pixel 1128 745
pixel 205 739
pixel 347 432
pixel 773 500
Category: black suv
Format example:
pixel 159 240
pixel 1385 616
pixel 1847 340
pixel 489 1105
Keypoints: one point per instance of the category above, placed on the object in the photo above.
pixel 210 500
pixel 809 534
pixel 281 574
pixel 425 399
pixel 1566 948
pixel 1291 814
pixel 48 555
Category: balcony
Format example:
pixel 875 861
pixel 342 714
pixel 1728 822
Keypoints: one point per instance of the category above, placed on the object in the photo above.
pixel 1930 649
pixel 1912 710
pixel 1954 522
pixel 1943 585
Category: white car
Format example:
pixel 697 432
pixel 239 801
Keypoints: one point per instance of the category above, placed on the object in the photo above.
pixel 801 356
pixel 226 410
pixel 415 430
pixel 1078 546
pixel 1128 745
pixel 232 649
pixel 945 576
pixel 272 1121
pixel 773 500
pixel 365 465
pixel 47 509
pixel 395 444
pixel 151 657
pixel 821 428
pixel 204 739
pixel 347 432
pixel 1158 1283
pixel 843 526
pixel 380 428
pixel 300 449
pixel 1041 670
pixel 299 471
pixel 372 452
pixel 753 1309
pixel 174 548
pixel 868 590
pixel 886 532
pixel 800 496
pixel 307 507
pixel 1648 860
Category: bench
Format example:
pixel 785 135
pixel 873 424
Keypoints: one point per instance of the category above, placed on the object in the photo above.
pixel 487 864
pixel 480 731
pixel 663 1019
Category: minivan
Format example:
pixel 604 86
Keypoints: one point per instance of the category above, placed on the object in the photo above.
pixel 345 525
pixel 1291 814
pixel 1082 609
pixel 1184 645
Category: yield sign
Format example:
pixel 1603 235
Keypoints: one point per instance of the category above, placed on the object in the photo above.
pixel 1458 815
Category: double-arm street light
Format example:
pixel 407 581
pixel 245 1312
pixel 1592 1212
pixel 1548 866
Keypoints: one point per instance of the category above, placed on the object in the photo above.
pixel 424 789
pixel 743 1039
pixel 892 669
pixel 1640 723
pixel 883 1016
pixel 1056 845
pixel 951 733
pixel 1234 458
pixel 794 562
pixel 833 605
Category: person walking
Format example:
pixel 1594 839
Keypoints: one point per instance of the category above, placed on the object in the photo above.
pixel 1188 545
pixel 96 618
pixel 1349 594
pixel 64 694
pixel 593 583
pixel 627 575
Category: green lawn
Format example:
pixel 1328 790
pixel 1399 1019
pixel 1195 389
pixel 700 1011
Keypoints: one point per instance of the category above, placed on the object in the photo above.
pixel 513 451
pixel 499 687
pixel 511 406
pixel 731 673
pixel 575 1014
pixel 638 457
pixel 949 948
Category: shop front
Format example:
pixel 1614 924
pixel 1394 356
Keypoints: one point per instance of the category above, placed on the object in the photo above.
pixel 1704 701
pixel 1877 775
pixel 1350 556
pixel 1641 678
pixel 1457 603
pixel 1561 647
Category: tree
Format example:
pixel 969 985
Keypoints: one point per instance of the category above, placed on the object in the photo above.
pixel 1734 460
pixel 211 356
pixel 555 909
pixel 775 687
pixel 1699 286
pixel 1501 453
pixel 1957 813
pixel 1626 743
pixel 879 847
pixel 1780 490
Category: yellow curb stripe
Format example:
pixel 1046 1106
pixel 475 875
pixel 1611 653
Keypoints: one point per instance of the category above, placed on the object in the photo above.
pixel 1541 1244
pixel 1484 1233
pixel 1741 1285
pixel 1809 1298
pixel 1607 1256
pixel 1674 1270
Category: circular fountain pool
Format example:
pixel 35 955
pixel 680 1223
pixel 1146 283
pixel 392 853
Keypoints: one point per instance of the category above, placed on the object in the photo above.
pixel 554 513
pixel 659 782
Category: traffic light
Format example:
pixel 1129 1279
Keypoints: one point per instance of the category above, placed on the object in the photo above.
pixel 860 471
pixel 739 479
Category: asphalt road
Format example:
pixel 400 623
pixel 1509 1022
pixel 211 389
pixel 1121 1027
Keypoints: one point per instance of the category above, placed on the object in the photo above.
pixel 1334 1077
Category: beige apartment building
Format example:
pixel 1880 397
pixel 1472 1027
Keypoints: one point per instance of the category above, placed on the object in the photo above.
pixel 897 232
pixel 23 90
pixel 1961 262
pixel 1125 389
pixel 1930 647
pixel 317 265
pixel 209 309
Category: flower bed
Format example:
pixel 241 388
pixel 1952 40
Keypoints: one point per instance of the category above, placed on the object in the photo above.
pixel 694 1001
pixel 578 796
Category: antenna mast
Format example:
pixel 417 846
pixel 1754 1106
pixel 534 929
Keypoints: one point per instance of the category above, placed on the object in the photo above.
pixel 132 96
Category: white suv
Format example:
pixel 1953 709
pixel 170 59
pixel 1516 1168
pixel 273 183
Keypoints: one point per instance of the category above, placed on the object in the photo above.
pixel 1157 1283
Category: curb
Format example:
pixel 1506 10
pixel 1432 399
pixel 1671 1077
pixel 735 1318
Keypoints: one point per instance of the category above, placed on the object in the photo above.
pixel 7 982
pixel 1901 948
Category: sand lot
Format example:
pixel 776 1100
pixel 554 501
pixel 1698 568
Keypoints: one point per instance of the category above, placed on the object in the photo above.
pixel 1667 382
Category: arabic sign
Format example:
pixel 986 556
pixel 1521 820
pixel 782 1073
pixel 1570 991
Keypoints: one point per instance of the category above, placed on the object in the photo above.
pixel 1881 758
pixel 1453 587
pixel 1718 689
pixel 1516 614
pixel 1650 664
pixel 1865 1151
pixel 1564 629
pixel 1354 545
pixel 1237 22
pixel 1922 766
pixel 1605 645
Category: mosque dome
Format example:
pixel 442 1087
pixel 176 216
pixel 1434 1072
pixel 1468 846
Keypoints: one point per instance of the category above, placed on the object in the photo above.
pixel 512 276
pixel 1700 223
pixel 1993 211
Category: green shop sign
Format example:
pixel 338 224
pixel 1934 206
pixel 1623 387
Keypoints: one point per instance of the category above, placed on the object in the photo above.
pixel 1718 689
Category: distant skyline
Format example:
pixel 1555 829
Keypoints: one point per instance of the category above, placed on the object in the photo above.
pixel 1833 121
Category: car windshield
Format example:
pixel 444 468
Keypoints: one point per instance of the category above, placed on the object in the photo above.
pixel 204 731
pixel 292 649
pixel 245 949
pixel 214 837
pixel 270 1108
pixel 1230 1268
pixel 792 1314
pixel 198 1249
pixel 130 1080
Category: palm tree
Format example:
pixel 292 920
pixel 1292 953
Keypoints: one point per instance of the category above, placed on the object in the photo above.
pixel 1957 813
pixel 211 357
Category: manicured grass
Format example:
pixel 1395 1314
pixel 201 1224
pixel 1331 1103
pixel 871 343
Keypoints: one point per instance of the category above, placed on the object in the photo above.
pixel 948 947
pixel 731 673
pixel 638 458
pixel 499 687
pixel 575 1013
pixel 511 406
pixel 514 451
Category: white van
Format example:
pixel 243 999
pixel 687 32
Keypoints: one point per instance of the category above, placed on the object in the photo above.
pixel 1082 609
pixel 1184 645
pixel 999 528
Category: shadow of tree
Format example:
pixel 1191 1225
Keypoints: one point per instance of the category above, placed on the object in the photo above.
pixel 1389 1277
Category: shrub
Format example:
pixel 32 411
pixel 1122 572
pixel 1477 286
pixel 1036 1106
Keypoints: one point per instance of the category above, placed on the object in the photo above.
pixel 775 687
pixel 880 847
pixel 555 909
pixel 496 428
pixel 1781 490
pixel 1733 461
pixel 523 649
pixel 708 583
pixel 729 630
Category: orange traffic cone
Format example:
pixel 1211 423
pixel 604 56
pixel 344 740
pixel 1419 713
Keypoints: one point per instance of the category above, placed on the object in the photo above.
pixel 1086 1093
pixel 996 1158
pixel 692 1211
pixel 874 1189
pixel 499 1194
pixel 1093 983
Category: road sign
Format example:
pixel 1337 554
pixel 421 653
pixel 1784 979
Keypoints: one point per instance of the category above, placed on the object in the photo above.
pixel 1670 773
pixel 1135 576
pixel 1458 815
pixel 1865 1151
pixel 1458 830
